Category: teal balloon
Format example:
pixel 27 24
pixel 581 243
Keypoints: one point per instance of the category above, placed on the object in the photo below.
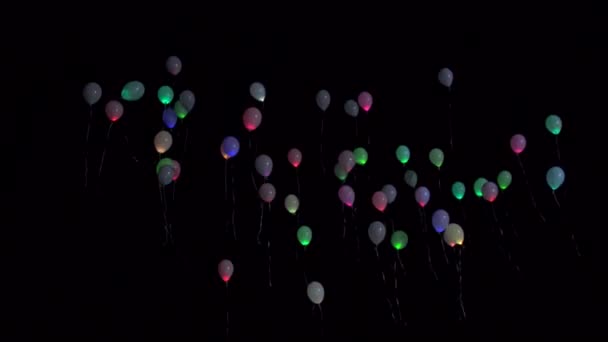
pixel 458 190
pixel 403 154
pixel 553 124
pixel 555 177
pixel 133 91
pixel 504 179
pixel 165 95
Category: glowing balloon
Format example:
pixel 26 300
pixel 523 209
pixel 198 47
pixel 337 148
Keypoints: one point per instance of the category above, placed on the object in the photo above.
pixel 351 108
pixel 165 95
pixel 453 235
pixel 376 232
pixel 553 124
pixel 173 65
pixel 347 160
pixel 187 99
pixel 295 157
pixel 340 172
pixel 346 195
pixel 445 77
pixel 323 99
pixel 263 165
pixel 478 185
pixel 518 143
pixel 440 220
pixel 379 200
pixel 292 203
pixel 225 269
pixel 257 91
pixel 177 169
pixel 422 195
pixel 360 155
pixel 132 91
pixel 399 239
pixel 504 179
pixel 555 177
pixel 411 178
pixel 169 117
pixel 165 175
pixel 458 190
pixel 403 154
pixel 489 191
pixel 230 147
pixel 436 157
pixel 163 162
pixel 163 141
pixel 391 192
pixel 252 118
pixel 365 101
pixel 180 109
pixel 304 235
pixel 114 110
pixel 315 292
pixel 267 192
pixel 91 93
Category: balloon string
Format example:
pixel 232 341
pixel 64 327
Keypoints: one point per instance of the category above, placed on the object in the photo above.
pixel 261 222
pixel 523 171
pixel 173 191
pixel 321 316
pixel 422 225
pixel 397 304
pixel 86 152
pixel 226 180
pixel 459 270
pixel 255 186
pixel 356 230
pixel 390 304
pixel 321 146
pixel 556 201
pixel 103 154
pixel 227 315
pixel 356 129
pixel 557 148
pixel 186 140
pixel 445 255
pixel 269 264
pixel 298 181
pixel 578 253
pixel 439 181
pixel 400 262
pixel 232 219
pixel 343 223
pixel 450 119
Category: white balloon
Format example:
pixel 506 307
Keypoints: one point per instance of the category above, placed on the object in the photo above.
pixel 351 107
pixel 411 178
pixel 323 99
pixel 445 77
pixel 391 192
pixel 263 165
pixel 346 159
pixel 257 91
pixel 173 65
pixel 91 93
pixel 163 141
pixel 315 292
pixel 187 98
pixel 376 232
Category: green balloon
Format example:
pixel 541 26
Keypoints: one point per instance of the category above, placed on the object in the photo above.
pixel 555 177
pixel 304 235
pixel 458 190
pixel 403 154
pixel 436 156
pixel 411 178
pixel 163 162
pixel 504 179
pixel 553 124
pixel 165 95
pixel 360 155
pixel 133 91
pixel 180 110
pixel 340 172
pixel 399 239
pixel 478 185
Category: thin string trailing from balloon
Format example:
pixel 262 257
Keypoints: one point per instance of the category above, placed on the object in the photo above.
pixel 439 180
pixel 167 225
pixel 298 181
pixel 503 248
pixel 450 119
pixel 557 148
pixel 105 146
pixel 261 222
pixel 227 314
pixel 320 317
pixel 321 146
pixel 356 229
pixel 396 293
pixel 390 304
pixel 269 263
pixel 356 129
pixel 556 200
pixel 343 223
pixel 445 255
pixel 428 248
pixel 226 180
pixel 523 171
pixel 86 152
pixel 186 140
pixel 232 216
pixel 459 270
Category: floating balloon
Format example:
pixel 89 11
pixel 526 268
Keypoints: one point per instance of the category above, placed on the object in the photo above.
pixel 304 235
pixel 504 179
pixel 346 195
pixel 555 177
pixel 489 191
pixel 347 160
pixel 91 93
pixel 165 175
pixel 351 108
pixel 365 101
pixel 553 124
pixel 163 162
pixel 173 65
pixel 187 99
pixel 518 143
pixel 453 235
pixel 315 292
pixel 399 239
pixel 163 141
pixel 292 203
pixel 225 269
pixel 132 91
pixel 295 157
pixel 391 192
pixel 180 110
pixel 403 154
pixel 114 110
pixel 445 77
pixel 169 117
pixel 230 147
pixel 422 195
pixel 440 220
pixel 165 95
pixel 360 155
pixel 436 157
pixel 376 232
pixel 177 169
pixel 379 200
pixel 257 91
pixel 411 178
pixel 252 118
pixel 263 165
pixel 323 99
pixel 478 185
pixel 458 190
pixel 267 192
pixel 340 172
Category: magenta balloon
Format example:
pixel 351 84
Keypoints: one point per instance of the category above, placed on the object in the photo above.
pixel 347 195
pixel 225 268
pixel 518 143
pixel 379 200
pixel 267 192
pixel 295 157
pixel 114 110
pixel 252 118
pixel 365 101
pixel 422 195
pixel 177 169
pixel 489 191
pixel 346 160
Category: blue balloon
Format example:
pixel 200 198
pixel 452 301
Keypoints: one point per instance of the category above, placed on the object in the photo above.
pixel 440 220
pixel 169 117
pixel 555 177
pixel 230 147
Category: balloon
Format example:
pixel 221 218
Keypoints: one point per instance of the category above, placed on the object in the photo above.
pixel 323 99
pixel 555 177
pixel 478 185
pixel 304 235
pixel 391 193
pixel 518 143
pixel 411 178
pixel 252 118
pixel 165 95
pixel 163 162
pixel 169 117
pixel 458 190
pixel 114 110
pixel 553 124
pixel 422 195
pixel 295 157
pixel 292 203
pixel 187 98
pixel 453 235
pixel 180 109
pixel 165 175
pixel 225 269
pixel 315 292
pixel 440 220
pixel 132 91
pixel 257 91
pixel 436 156
pixel 340 172
pixel 351 108
pixel 379 200
pixel 173 65
pixel 91 93
pixel 365 101
pixel 376 232
pixel 263 165
pixel 163 141
pixel 489 191
pixel 346 195
pixel 177 169
pixel 403 154
pixel 230 147
pixel 445 77
pixel 399 239
pixel 267 192
pixel 504 179
pixel 347 160
pixel 360 155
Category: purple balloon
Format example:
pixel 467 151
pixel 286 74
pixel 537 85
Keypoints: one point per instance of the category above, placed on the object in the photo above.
pixel 518 143
pixel 169 117
pixel 347 195
pixel 230 147
pixel 365 101
pixel 489 191
pixel 440 220
pixel 422 195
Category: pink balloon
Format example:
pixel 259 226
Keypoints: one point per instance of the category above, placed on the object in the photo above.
pixel 177 169
pixel 114 110
pixel 518 143
pixel 422 195
pixel 347 195
pixel 295 157
pixel 365 101
pixel 225 269
pixel 489 191
pixel 267 192
pixel 346 160
pixel 252 118
pixel 379 200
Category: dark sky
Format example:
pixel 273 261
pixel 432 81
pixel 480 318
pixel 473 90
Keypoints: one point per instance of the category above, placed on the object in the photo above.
pixel 91 263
